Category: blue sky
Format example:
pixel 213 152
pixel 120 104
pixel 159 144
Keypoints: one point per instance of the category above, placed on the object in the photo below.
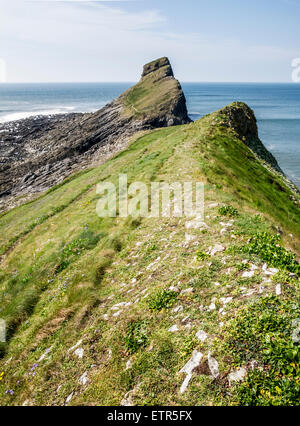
pixel 215 40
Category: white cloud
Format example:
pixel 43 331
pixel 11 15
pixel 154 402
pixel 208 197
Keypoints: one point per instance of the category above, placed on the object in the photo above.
pixel 98 41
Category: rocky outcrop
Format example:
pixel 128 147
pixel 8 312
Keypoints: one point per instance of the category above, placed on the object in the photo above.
pixel 240 117
pixel 38 152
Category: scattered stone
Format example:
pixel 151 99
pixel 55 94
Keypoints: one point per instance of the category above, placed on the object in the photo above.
pixel 79 352
pixel 175 289
pixel 189 238
pixel 226 300
pixel 278 290
pixel 213 366
pixel 185 319
pixel 197 223
pixel 218 248
pixel 84 378
pixel 178 309
pixel 75 346
pixel 69 398
pixel 187 291
pixel 248 274
pixel 201 335
pixel 189 368
pixel 173 329
pixel 44 354
pixel 128 365
pixel 237 376
pixel 127 401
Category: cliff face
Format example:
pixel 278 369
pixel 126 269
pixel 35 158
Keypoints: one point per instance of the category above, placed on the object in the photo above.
pixel 38 153
pixel 240 118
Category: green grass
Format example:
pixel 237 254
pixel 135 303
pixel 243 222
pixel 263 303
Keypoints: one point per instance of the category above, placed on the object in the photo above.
pixel 65 269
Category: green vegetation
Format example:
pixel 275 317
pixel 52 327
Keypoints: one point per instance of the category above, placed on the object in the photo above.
pixel 136 336
pixel 153 93
pixel 263 332
pixel 85 295
pixel 162 300
pixel 269 249
pixel 228 211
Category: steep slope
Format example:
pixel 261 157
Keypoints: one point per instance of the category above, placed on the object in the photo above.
pixel 109 311
pixel 37 153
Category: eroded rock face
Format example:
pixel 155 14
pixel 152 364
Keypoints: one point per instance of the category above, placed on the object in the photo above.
pixel 39 152
pixel 241 118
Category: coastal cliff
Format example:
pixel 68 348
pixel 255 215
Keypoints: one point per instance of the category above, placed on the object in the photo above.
pixel 37 153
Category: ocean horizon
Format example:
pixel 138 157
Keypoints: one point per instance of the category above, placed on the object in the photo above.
pixel 276 106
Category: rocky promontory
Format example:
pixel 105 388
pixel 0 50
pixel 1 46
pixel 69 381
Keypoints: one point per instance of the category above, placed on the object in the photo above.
pixel 39 152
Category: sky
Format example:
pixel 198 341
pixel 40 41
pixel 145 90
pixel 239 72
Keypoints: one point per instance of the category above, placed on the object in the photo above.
pixel 106 41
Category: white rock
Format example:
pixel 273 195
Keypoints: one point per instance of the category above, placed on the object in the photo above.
pixel 218 248
pixel 213 205
pixel 189 238
pixel 212 307
pixel 196 224
pixel 127 401
pixel 278 290
pixel 237 376
pixel 75 346
pixel 187 291
pixel 226 300
pixel 84 378
pixel 201 335
pixel 188 369
pixel 117 314
pixel 248 274
pixel 178 309
pixel 175 289
pixel 173 329
pixel 128 365
pixel 79 352
pixel 213 366
pixel 185 319
pixel 69 397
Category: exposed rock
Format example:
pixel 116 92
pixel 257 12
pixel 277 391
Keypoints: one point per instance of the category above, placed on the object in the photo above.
pixel 213 366
pixel 242 120
pixel 84 378
pixel 201 335
pixel 173 329
pixel 37 153
pixel 189 367
pixel 218 248
pixel 237 376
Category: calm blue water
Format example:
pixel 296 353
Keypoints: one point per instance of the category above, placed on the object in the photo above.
pixel 277 108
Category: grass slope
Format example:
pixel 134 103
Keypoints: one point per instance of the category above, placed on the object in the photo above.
pixel 89 302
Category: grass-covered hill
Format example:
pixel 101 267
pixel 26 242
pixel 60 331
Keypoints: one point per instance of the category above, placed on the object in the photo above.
pixel 110 311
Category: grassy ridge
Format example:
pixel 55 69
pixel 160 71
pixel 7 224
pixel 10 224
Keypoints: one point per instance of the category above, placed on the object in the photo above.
pixel 62 283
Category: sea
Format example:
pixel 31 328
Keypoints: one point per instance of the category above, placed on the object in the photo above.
pixel 277 108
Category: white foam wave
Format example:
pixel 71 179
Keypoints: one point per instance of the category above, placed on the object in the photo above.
pixel 21 115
